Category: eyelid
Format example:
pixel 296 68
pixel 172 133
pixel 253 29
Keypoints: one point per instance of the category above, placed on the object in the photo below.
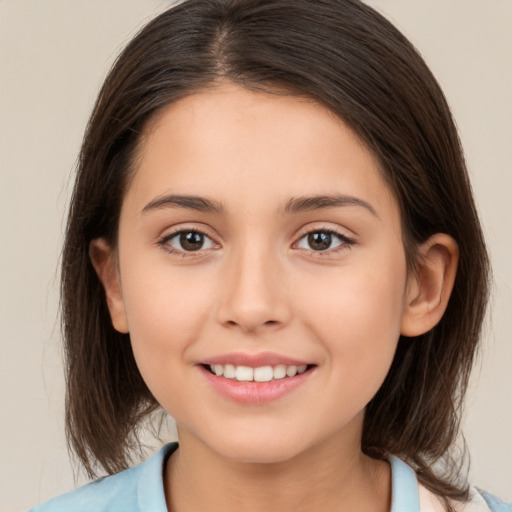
pixel 198 227
pixel 329 227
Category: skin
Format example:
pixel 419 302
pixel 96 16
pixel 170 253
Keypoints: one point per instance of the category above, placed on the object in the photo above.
pixel 257 285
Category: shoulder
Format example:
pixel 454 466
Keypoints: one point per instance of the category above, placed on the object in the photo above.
pixel 479 501
pixel 137 488
pixel 495 504
pixel 407 489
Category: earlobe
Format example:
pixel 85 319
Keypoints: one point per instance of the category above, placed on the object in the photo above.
pixel 104 261
pixel 430 286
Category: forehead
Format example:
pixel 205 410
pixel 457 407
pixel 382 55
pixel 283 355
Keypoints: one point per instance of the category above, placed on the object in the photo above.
pixel 260 144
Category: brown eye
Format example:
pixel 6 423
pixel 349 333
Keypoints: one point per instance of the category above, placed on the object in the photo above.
pixel 189 241
pixel 322 240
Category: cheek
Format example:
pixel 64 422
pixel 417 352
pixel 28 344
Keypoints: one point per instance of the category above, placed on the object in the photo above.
pixel 166 314
pixel 358 318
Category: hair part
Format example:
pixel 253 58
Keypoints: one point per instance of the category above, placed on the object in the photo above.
pixel 346 56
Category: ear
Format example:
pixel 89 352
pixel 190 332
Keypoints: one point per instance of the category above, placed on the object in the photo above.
pixel 104 261
pixel 430 286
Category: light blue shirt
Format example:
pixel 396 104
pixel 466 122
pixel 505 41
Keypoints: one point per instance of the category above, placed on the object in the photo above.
pixel 141 489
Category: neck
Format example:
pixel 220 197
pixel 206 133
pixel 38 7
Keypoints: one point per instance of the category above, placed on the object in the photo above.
pixel 328 477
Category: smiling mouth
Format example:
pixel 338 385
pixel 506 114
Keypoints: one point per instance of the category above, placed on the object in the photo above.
pixel 259 374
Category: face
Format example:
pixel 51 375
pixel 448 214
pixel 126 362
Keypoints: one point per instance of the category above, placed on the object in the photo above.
pixel 261 273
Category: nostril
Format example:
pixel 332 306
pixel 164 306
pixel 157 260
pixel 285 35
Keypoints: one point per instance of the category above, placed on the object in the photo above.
pixel 250 325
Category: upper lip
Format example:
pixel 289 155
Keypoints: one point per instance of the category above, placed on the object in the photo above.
pixel 254 360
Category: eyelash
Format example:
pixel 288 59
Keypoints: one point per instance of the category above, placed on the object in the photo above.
pixel 164 242
pixel 345 242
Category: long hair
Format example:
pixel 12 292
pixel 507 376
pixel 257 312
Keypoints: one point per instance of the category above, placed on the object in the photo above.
pixel 346 56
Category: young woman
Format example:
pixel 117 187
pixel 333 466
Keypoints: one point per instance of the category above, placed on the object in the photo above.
pixel 272 238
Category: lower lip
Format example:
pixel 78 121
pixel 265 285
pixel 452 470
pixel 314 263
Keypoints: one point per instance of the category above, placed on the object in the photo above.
pixel 255 393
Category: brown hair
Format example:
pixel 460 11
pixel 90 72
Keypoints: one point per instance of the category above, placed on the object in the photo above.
pixel 348 57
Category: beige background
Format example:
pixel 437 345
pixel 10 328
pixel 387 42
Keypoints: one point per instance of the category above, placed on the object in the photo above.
pixel 53 57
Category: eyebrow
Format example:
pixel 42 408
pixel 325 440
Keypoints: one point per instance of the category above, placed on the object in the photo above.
pixel 294 205
pixel 308 203
pixel 200 204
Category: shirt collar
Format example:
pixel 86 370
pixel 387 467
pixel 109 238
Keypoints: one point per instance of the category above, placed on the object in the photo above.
pixel 150 496
pixel 404 487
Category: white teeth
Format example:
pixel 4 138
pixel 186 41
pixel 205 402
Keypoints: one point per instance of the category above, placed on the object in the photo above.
pixel 259 374
pixel 263 374
pixel 291 371
pixel 244 373
pixel 280 371
pixel 229 371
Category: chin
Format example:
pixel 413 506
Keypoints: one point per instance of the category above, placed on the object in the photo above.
pixel 257 449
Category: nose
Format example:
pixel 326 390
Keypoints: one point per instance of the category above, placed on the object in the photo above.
pixel 254 293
